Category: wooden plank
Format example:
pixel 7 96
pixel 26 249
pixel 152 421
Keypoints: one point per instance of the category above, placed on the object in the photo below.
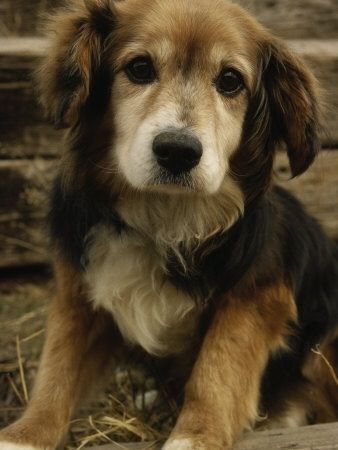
pixel 288 18
pixel 316 437
pixel 24 133
pixel 22 17
pixel 317 188
pixel 19 56
pixel 23 243
pixel 297 19
pixel 26 183
pixel 22 211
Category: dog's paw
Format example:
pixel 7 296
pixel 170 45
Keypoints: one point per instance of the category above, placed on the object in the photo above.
pixel 183 444
pixel 12 446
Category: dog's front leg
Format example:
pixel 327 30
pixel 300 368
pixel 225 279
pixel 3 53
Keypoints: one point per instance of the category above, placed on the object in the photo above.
pixel 75 353
pixel 221 397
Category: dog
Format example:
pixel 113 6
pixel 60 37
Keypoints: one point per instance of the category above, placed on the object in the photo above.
pixel 167 230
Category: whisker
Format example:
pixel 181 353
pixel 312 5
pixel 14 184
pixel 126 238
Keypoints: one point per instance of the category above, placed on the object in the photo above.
pixel 110 170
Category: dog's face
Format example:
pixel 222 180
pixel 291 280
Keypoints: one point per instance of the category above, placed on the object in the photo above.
pixel 198 93
pixel 184 76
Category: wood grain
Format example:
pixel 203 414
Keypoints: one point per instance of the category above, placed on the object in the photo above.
pixel 24 17
pixel 297 19
pixel 288 18
pixel 26 184
pixel 23 131
pixel 317 188
pixel 316 437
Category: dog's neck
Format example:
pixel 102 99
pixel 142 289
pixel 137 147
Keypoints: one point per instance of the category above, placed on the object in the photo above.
pixel 173 220
pixel 207 243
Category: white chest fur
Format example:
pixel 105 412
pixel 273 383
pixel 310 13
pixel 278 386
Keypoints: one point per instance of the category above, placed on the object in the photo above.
pixel 126 276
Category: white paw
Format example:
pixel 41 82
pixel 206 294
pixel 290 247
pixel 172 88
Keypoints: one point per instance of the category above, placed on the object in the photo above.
pixel 179 444
pixel 12 446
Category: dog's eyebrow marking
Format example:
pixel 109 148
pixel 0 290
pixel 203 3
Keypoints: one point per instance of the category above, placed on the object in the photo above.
pixel 243 66
pixel 163 52
pixel 237 59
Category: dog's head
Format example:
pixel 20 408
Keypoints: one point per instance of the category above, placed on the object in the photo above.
pixel 194 93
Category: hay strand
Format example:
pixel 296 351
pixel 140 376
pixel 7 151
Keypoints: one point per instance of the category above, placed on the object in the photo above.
pixel 318 352
pixel 33 336
pixel 16 390
pixel 21 369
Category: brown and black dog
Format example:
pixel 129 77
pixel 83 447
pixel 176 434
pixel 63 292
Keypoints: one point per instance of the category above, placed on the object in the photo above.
pixel 167 231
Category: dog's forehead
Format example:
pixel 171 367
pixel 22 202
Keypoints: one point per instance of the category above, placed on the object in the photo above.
pixel 185 29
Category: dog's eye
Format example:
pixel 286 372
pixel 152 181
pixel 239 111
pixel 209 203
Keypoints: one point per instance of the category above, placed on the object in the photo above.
pixel 140 70
pixel 229 82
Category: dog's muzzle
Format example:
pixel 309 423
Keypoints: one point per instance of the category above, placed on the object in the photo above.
pixel 177 151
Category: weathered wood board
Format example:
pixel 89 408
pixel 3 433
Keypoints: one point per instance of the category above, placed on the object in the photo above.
pixel 317 188
pixel 23 17
pixel 317 437
pixel 25 185
pixel 288 18
pixel 297 19
pixel 24 133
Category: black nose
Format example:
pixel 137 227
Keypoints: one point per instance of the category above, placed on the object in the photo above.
pixel 177 151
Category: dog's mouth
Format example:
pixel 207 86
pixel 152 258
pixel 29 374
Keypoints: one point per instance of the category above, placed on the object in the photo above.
pixel 165 180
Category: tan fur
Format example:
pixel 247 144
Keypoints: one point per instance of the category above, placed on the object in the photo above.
pixel 223 391
pixel 77 349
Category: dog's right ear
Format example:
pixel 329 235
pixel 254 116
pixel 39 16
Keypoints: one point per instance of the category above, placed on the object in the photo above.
pixel 294 104
pixel 68 70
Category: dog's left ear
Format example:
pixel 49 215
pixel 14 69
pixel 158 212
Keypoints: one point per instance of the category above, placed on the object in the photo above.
pixel 73 62
pixel 292 94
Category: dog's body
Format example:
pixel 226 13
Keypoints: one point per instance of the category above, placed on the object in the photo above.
pixel 168 233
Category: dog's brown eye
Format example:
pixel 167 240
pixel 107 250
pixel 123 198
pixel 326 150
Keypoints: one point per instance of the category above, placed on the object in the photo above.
pixel 229 82
pixel 141 70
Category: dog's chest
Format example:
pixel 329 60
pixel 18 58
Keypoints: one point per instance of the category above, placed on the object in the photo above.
pixel 126 276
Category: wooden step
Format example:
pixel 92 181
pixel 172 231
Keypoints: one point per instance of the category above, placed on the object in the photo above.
pixel 24 133
pixel 23 239
pixel 315 437
pixel 288 18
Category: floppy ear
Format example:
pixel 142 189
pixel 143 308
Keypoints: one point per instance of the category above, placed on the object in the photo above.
pixel 292 95
pixel 68 71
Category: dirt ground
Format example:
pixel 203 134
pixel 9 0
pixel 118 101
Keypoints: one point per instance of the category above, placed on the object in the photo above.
pixel 131 408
